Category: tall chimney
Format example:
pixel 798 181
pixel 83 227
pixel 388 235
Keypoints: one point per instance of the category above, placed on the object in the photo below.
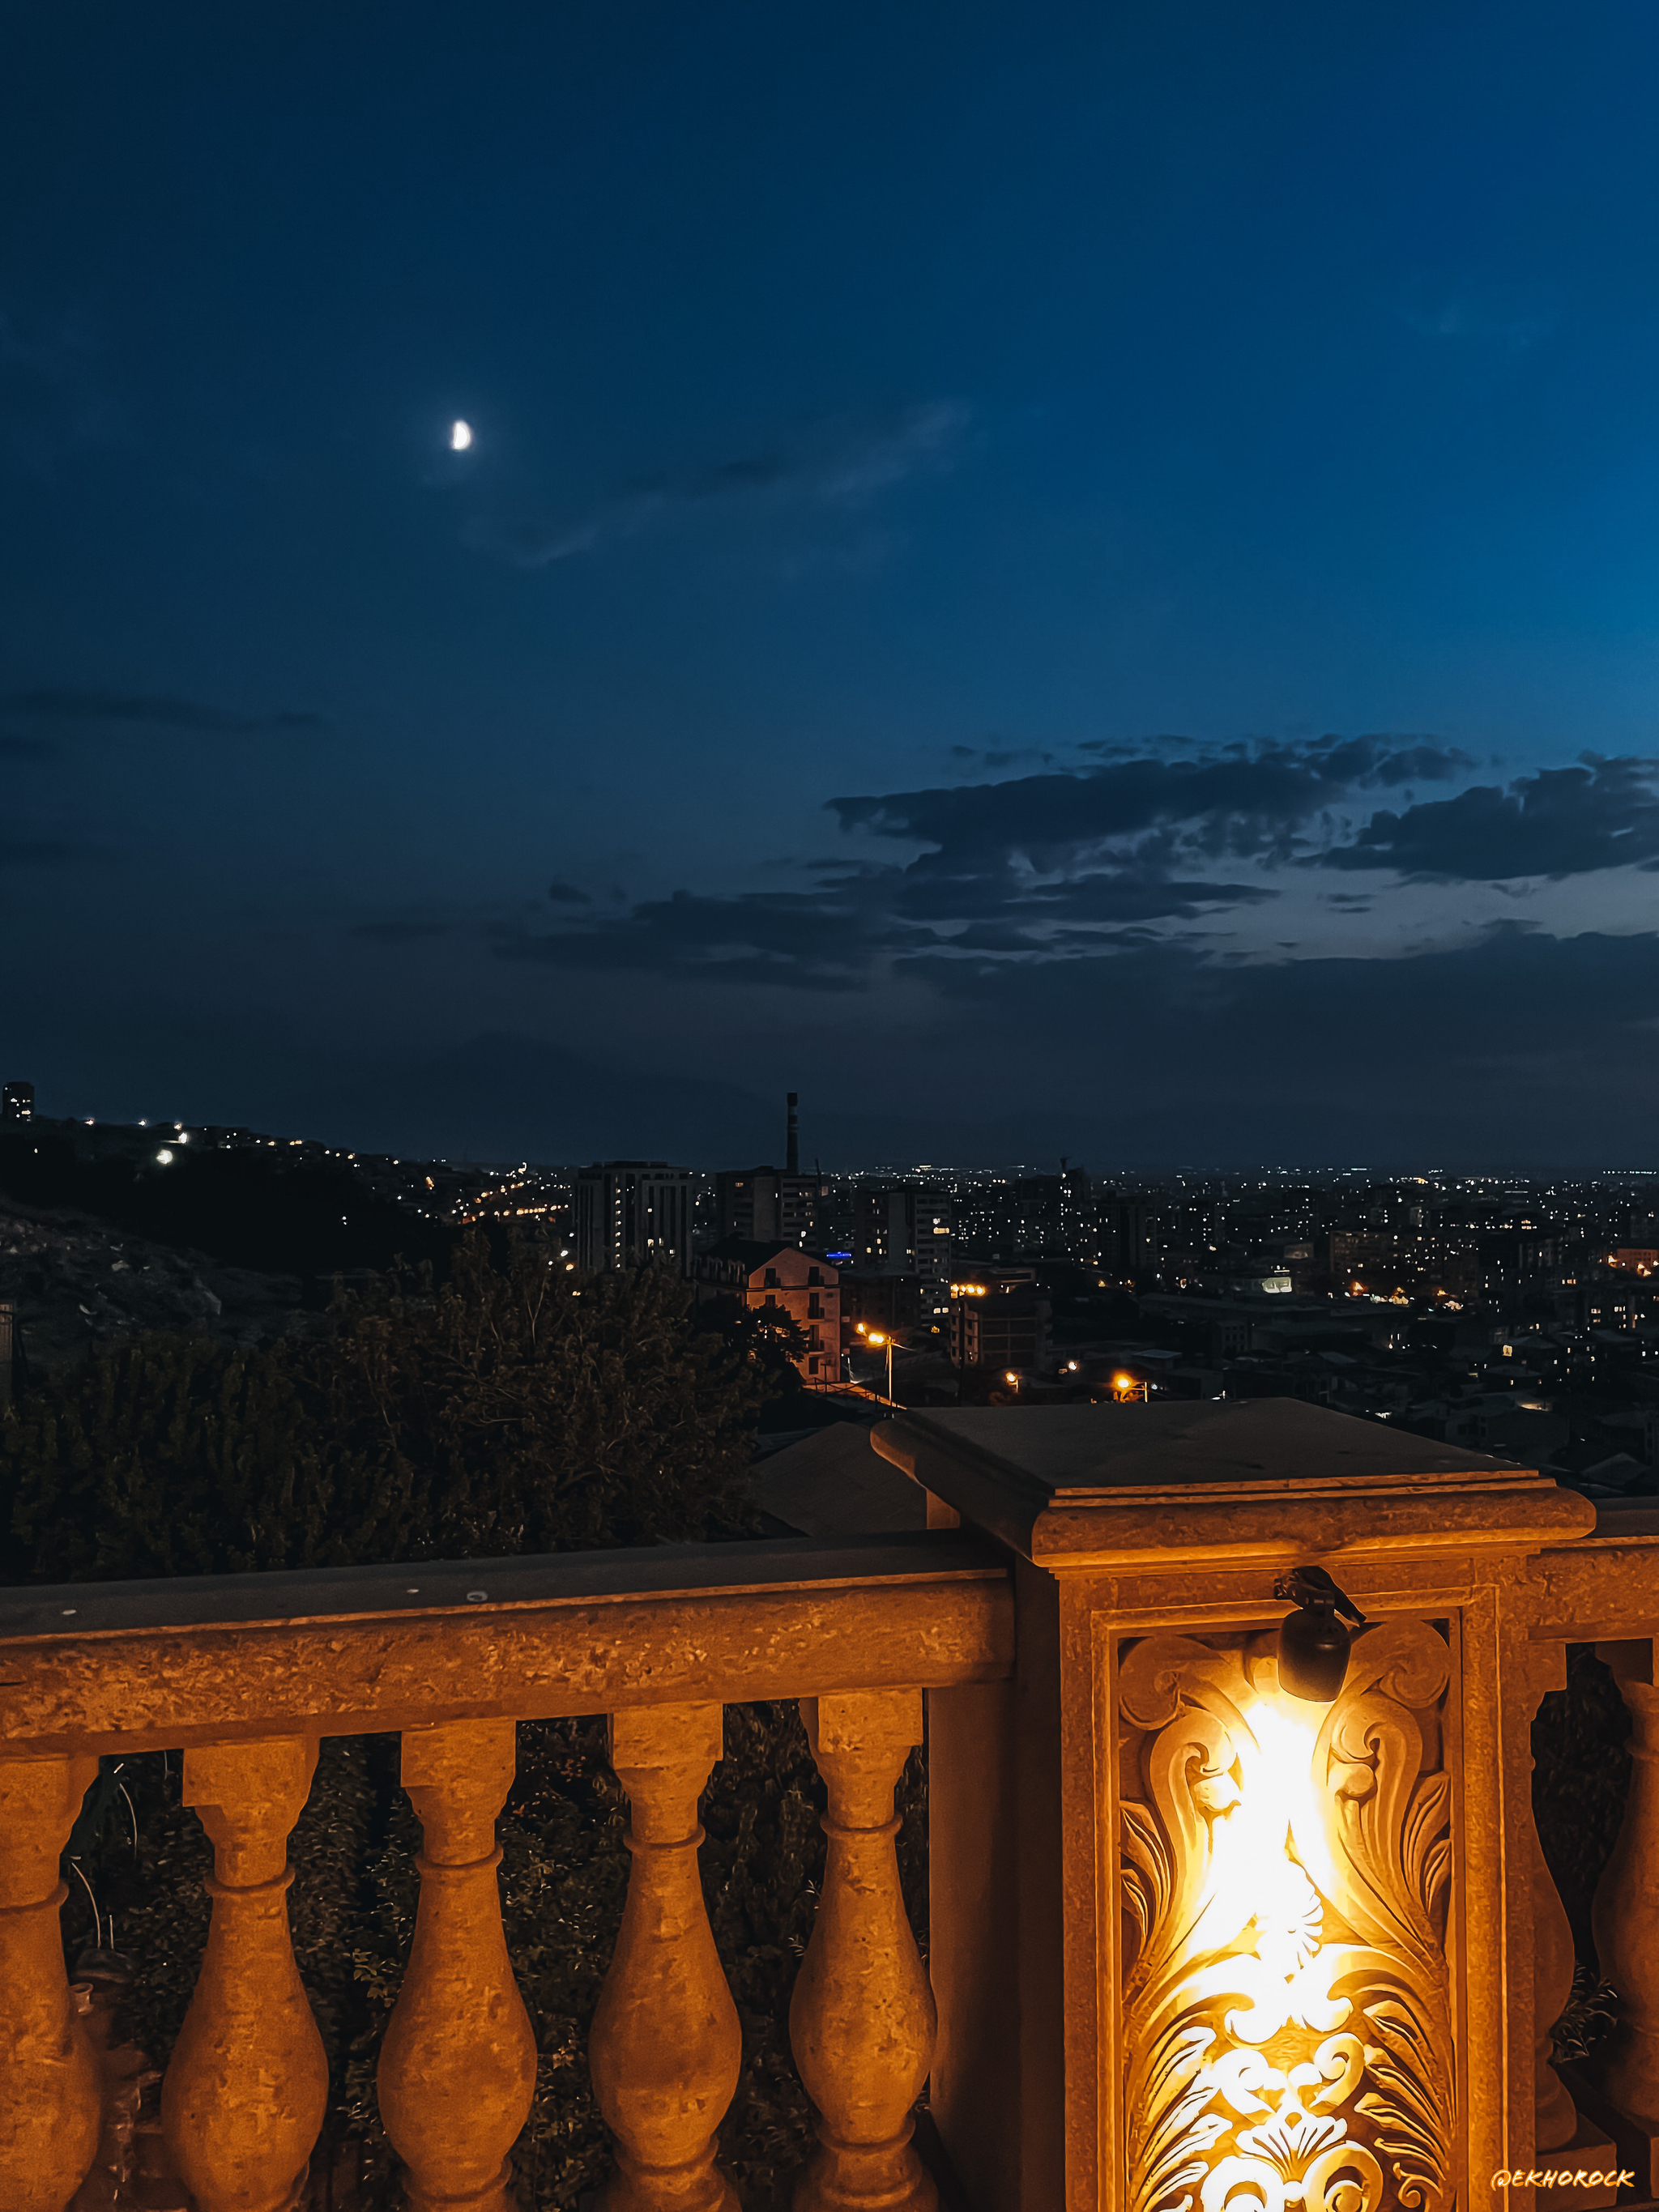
pixel 792 1150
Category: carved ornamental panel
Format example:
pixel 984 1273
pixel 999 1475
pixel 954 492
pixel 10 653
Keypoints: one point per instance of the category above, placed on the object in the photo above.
pixel 1285 2005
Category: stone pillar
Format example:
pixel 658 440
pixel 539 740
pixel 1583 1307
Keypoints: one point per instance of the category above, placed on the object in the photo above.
pixel 244 2095
pixel 50 2095
pixel 665 2045
pixel 861 2018
pixel 458 2067
pixel 1626 1917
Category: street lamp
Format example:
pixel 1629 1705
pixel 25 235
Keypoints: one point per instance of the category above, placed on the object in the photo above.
pixel 876 1337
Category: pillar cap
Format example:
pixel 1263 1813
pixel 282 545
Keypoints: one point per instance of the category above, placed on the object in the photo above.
pixel 1075 1486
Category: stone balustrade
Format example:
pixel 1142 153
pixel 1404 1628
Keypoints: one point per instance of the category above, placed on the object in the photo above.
pixel 1092 1657
pixel 244 1675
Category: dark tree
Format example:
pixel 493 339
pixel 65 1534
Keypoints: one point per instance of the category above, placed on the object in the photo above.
pixel 517 1407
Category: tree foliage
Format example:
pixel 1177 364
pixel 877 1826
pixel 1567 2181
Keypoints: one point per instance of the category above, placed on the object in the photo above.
pixel 516 1407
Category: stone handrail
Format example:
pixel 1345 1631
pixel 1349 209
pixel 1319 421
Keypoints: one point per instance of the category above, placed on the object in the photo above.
pixel 244 1673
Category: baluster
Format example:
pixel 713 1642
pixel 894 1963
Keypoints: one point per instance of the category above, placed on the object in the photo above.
pixel 861 2019
pixel 1555 2122
pixel 458 2067
pixel 1555 2117
pixel 51 2104
pixel 665 2046
pixel 1626 1920
pixel 244 2095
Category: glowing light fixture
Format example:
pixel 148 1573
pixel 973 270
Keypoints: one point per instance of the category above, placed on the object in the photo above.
pixel 1264 2049
pixel 1313 1644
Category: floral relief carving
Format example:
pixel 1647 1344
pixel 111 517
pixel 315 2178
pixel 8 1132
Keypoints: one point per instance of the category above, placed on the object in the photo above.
pixel 1286 2015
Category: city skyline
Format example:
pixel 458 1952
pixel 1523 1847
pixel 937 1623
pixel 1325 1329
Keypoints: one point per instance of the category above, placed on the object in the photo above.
pixel 1079 584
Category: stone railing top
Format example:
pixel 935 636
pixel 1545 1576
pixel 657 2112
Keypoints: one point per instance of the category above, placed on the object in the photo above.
pixel 424 1586
pixel 116 1666
pixel 1103 1486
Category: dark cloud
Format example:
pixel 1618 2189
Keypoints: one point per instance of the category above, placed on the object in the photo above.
pixel 1154 1053
pixel 832 937
pixel 844 469
pixel 1561 822
pixel 1058 868
pixel 994 756
pixel 563 894
pixel 826 938
pixel 72 709
pixel 1047 866
pixel 1240 801
pixel 1157 1054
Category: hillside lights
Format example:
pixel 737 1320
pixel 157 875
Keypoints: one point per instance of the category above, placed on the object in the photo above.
pixel 1313 1644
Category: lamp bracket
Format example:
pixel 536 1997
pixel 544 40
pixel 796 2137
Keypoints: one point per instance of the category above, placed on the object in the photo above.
pixel 1313 1587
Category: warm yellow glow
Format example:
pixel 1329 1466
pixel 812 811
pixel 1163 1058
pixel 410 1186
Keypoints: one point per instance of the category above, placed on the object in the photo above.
pixel 1280 1978
pixel 1275 1795
pixel 1287 2027
pixel 876 1337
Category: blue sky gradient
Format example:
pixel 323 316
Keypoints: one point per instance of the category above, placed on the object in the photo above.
pixel 1058 578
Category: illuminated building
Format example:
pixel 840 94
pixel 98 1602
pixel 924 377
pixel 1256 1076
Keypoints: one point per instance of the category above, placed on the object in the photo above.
pixel 906 1229
pixel 17 1103
pixel 999 1318
pixel 632 1213
pixel 769 1276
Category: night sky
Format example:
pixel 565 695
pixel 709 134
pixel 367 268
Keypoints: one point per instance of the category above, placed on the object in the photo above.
pixel 1056 578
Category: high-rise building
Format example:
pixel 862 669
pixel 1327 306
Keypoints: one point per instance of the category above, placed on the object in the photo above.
pixel 1077 1214
pixel 633 1213
pixel 1121 1226
pixel 17 1103
pixel 756 1203
pixel 906 1229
